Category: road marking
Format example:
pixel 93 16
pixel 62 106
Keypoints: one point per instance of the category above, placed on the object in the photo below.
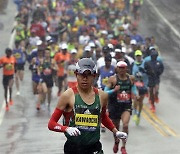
pixel 164 19
pixel 2 110
pixel 158 124
pixel 11 41
pixel 165 126
pixel 152 115
pixel 153 124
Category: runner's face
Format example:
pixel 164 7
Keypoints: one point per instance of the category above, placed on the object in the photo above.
pixel 85 80
pixel 122 70
pixel 73 55
pixel 64 51
pixel 139 58
pixel 108 63
pixel 47 54
pixel 8 53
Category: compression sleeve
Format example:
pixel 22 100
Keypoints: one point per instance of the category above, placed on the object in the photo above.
pixel 53 125
pixel 108 90
pixel 134 90
pixel 106 121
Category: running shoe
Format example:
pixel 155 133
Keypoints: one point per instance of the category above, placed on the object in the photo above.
pixel 153 109
pixel 38 106
pixel 123 150
pixel 137 120
pixel 135 117
pixel 7 107
pixel 11 102
pixel 116 147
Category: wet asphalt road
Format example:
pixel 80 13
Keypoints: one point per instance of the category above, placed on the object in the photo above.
pixel 23 130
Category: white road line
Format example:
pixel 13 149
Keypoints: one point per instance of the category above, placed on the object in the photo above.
pixel 164 19
pixel 11 41
pixel 2 110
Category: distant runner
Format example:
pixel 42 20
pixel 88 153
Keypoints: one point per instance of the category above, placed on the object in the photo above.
pixel 8 63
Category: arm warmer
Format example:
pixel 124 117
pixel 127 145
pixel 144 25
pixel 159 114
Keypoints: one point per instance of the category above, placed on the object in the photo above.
pixel 106 121
pixel 134 90
pixel 53 125
pixel 108 90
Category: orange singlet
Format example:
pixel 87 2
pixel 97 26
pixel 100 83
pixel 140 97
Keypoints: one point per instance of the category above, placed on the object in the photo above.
pixel 61 58
pixel 8 65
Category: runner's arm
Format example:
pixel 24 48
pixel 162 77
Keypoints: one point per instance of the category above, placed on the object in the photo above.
pixel 54 65
pixel 106 121
pixel 53 122
pixel 133 88
pixel 61 106
pixel 108 89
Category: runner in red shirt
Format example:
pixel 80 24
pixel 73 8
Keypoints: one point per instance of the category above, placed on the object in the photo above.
pixel 38 29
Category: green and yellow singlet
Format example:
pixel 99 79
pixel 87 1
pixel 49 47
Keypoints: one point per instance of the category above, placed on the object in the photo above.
pixel 87 119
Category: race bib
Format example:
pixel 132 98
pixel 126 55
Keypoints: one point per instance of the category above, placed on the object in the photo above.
pixel 123 96
pixel 86 120
pixel 9 66
pixel 105 81
pixel 47 71
pixel 17 55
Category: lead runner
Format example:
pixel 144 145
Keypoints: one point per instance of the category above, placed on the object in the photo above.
pixel 84 108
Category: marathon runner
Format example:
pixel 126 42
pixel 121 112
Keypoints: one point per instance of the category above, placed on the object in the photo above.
pixel 84 108
pixel 141 82
pixel 121 88
pixel 19 54
pixel 8 63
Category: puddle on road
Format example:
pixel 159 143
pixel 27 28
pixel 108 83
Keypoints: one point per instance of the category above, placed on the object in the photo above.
pixel 3 6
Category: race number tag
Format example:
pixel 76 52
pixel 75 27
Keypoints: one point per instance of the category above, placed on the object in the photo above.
pixel 86 120
pixel 123 96
pixel 9 66
pixel 17 55
pixel 105 81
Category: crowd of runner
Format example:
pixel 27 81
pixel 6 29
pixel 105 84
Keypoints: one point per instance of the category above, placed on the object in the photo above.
pixel 52 35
